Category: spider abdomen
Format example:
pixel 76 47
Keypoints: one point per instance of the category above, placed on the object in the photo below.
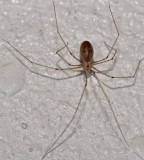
pixel 86 51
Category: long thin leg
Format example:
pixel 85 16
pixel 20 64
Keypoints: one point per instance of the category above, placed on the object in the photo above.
pixel 49 149
pixel 95 63
pixel 61 36
pixel 109 47
pixel 105 61
pixel 121 76
pixel 110 106
pixel 57 52
pixel 115 39
pixel 37 64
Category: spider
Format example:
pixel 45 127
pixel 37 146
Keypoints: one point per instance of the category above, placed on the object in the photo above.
pixel 87 64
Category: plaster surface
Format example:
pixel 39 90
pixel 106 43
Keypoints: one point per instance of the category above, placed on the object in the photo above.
pixel 34 109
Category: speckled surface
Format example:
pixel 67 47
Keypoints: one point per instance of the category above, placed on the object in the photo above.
pixel 34 109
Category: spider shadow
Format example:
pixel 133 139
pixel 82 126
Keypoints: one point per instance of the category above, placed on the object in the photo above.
pixel 73 130
pixel 37 73
pixel 78 119
pixel 80 114
pixel 81 111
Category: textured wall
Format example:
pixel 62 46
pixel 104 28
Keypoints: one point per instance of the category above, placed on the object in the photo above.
pixel 34 109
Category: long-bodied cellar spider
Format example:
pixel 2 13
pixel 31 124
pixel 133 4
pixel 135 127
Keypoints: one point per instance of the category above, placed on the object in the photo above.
pixel 87 64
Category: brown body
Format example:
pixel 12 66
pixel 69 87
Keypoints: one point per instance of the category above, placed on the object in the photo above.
pixel 86 53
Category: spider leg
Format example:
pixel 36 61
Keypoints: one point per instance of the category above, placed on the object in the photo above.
pixel 108 59
pixel 107 98
pixel 57 52
pixel 50 148
pixel 35 63
pixel 109 47
pixel 121 76
pixel 61 35
pixel 115 39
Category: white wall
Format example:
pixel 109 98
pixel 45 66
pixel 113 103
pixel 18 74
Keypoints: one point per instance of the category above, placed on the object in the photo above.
pixel 35 109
